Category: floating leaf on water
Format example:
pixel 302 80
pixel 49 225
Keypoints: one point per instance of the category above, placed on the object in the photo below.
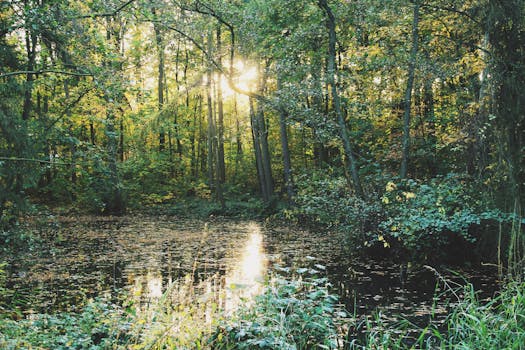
pixel 320 267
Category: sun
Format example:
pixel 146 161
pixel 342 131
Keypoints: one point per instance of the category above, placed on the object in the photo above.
pixel 245 79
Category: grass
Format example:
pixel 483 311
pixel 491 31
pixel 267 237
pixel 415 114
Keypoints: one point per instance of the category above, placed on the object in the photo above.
pixel 498 323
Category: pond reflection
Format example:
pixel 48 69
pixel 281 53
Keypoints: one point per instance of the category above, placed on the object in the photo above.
pixel 245 280
pixel 226 282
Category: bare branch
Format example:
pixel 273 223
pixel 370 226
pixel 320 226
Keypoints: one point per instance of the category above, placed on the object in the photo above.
pixel 15 159
pixel 45 71
pixel 228 75
pixel 108 14
pixel 453 10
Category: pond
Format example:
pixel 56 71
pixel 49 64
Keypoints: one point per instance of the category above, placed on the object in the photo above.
pixel 223 259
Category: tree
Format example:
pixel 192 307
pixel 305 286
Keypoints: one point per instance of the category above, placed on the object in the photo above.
pixel 331 74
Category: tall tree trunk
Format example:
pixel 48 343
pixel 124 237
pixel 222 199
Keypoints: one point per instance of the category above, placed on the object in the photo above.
pixel 159 42
pixel 238 137
pixel 211 122
pixel 115 202
pixel 320 151
pixel 408 93
pixel 257 151
pixel 331 74
pixel 430 119
pixel 262 128
pixel 31 41
pixel 221 167
pixel 287 164
pixel 121 140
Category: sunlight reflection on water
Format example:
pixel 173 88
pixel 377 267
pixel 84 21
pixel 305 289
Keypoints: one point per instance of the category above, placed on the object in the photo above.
pixel 245 280
pixel 245 271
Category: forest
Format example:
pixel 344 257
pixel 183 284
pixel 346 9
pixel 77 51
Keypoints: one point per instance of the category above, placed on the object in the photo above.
pixel 363 159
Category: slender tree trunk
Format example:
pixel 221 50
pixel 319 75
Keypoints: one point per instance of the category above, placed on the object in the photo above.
pixel 221 167
pixel 257 151
pixel 31 41
pixel 121 140
pixel 114 203
pixel 211 122
pixel 429 117
pixel 320 151
pixel 263 137
pixel 194 139
pixel 287 164
pixel 238 137
pixel 331 74
pixel 160 78
pixel 92 133
pixel 408 92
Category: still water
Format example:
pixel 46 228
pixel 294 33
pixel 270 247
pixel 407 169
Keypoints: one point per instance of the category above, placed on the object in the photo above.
pixel 201 260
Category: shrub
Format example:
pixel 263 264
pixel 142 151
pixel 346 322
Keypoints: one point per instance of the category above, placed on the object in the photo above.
pixel 290 314
pixel 427 219
pixel 99 326
pixel 326 200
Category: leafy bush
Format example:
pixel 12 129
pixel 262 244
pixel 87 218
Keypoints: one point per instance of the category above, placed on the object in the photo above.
pixel 427 218
pixel 99 326
pixel 326 200
pixel 290 314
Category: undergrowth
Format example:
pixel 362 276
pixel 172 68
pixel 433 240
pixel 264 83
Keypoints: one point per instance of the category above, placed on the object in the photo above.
pixel 290 314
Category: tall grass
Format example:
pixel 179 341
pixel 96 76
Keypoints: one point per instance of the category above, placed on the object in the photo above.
pixel 498 323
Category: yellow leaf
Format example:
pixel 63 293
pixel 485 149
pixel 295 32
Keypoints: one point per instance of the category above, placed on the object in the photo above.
pixel 390 186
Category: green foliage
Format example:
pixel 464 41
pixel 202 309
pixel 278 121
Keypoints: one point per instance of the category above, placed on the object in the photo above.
pixel 99 326
pixel 325 200
pixel 420 220
pixel 498 323
pixel 426 217
pixel 290 314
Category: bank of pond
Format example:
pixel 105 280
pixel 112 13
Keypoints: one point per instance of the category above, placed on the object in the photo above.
pixel 165 282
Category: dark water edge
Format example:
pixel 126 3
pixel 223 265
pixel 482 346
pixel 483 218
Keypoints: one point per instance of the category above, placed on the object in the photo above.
pixel 84 257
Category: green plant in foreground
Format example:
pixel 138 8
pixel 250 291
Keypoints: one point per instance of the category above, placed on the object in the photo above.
pixel 290 314
pixel 99 326
pixel 496 324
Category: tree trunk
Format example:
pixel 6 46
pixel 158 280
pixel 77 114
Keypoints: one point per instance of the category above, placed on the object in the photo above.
pixel 221 168
pixel 263 137
pixel 408 93
pixel 160 79
pixel 211 123
pixel 287 164
pixel 331 74
pixel 114 202
pixel 257 151
pixel 31 41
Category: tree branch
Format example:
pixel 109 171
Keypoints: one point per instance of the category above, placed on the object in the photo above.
pixel 220 68
pixel 16 159
pixel 108 14
pixel 45 71
pixel 452 9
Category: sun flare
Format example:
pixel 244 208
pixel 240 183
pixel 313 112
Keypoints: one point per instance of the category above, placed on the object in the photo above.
pixel 245 79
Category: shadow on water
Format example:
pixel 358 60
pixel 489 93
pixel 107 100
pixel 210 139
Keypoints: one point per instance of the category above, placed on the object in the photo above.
pixel 84 257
